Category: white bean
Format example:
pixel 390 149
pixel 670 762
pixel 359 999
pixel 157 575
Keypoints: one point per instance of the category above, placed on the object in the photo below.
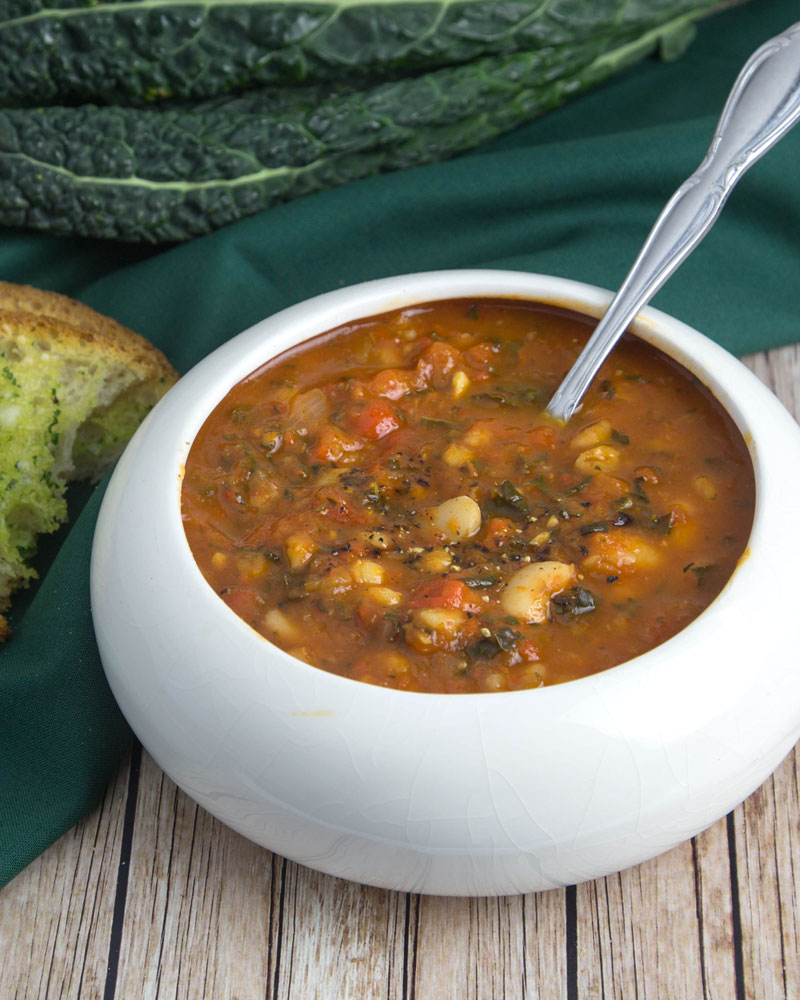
pixel 527 594
pixel 592 435
pixel 367 571
pixel 283 627
pixel 457 518
pixel 602 458
pixel 456 454
pixel 300 547
pixel 436 560
pixel 705 487
pixel 385 595
pixel 459 384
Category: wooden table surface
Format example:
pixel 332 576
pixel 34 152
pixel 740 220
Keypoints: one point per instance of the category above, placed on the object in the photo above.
pixel 150 897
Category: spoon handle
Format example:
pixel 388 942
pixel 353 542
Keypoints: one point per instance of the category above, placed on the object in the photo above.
pixel 761 108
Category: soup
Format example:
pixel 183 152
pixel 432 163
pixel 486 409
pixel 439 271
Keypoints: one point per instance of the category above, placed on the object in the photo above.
pixel 389 502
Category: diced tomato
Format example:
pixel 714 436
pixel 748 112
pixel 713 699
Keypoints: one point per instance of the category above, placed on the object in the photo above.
pixel 444 592
pixel 542 437
pixel 376 420
pixel 497 530
pixel 648 475
pixel 332 444
pixel 339 506
pixel 393 384
pixel 433 368
pixel 368 614
pixel 603 489
pixel 479 355
pixel 437 362
pixel 527 650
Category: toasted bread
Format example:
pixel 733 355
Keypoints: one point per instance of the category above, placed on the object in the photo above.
pixel 74 385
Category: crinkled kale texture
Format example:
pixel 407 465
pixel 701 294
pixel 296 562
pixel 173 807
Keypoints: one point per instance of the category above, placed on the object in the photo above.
pixel 159 121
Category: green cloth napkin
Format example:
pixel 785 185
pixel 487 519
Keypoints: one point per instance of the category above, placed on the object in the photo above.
pixel 573 194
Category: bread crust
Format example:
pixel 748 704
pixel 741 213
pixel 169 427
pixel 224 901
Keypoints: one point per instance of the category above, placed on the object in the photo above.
pixel 33 312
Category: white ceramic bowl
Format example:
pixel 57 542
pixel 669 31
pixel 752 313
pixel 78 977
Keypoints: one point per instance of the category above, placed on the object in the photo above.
pixel 482 794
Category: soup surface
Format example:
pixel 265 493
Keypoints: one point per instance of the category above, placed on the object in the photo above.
pixel 388 502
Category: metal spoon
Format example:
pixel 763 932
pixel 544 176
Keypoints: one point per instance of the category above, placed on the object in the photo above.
pixel 761 108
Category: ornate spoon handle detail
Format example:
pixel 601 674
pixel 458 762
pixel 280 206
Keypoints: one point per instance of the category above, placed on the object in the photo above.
pixel 761 108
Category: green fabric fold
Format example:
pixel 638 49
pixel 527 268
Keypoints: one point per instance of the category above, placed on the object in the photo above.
pixel 573 194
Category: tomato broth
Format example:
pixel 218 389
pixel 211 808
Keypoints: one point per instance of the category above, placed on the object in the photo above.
pixel 390 503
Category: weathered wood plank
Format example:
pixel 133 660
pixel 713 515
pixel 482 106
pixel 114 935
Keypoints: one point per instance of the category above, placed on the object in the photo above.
pixel 780 370
pixel 211 915
pixel 198 906
pixel 56 915
pixel 510 947
pixel 469 948
pixel 338 939
pixel 661 929
pixel 714 903
pixel 627 930
pixel 767 828
pixel 545 946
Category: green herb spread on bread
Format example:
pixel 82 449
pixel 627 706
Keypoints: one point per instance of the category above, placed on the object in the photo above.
pixel 74 386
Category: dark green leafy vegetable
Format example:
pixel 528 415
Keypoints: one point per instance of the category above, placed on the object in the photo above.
pixel 487 647
pixel 573 602
pixel 579 486
pixel 57 51
pixel 438 422
pixel 186 167
pixel 394 623
pixel 663 523
pixel 608 389
pixel 638 492
pixel 493 398
pixel 483 649
pixel 509 499
pixel 506 638
pixel 595 527
pixel 529 396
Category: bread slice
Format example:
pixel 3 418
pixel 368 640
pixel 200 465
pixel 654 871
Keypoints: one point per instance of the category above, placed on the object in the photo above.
pixel 74 385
